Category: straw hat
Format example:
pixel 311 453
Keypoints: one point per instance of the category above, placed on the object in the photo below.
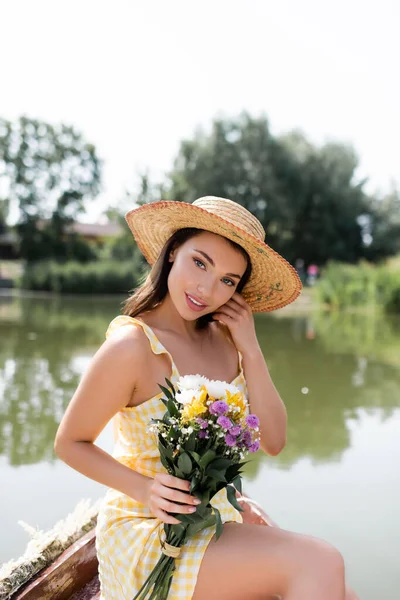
pixel 273 282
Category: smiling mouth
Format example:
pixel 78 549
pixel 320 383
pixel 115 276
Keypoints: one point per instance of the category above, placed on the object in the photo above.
pixel 195 301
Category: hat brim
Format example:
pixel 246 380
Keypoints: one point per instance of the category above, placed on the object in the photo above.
pixel 273 283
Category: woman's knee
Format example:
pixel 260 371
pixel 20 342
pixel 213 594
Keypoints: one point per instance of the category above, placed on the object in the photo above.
pixel 334 562
pixel 325 559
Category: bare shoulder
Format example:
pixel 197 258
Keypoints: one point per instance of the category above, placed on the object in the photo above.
pixel 108 385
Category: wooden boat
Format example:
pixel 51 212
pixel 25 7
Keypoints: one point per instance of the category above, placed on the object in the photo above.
pixel 74 576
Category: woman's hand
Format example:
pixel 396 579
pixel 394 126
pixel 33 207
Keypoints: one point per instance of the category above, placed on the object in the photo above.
pixel 237 315
pixel 163 494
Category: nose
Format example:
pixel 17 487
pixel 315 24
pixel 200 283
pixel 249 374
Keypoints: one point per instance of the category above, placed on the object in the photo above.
pixel 205 289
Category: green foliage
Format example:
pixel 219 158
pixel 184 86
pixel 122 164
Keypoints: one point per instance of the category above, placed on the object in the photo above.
pixel 384 226
pixel 76 278
pixel 362 285
pixel 306 197
pixel 49 172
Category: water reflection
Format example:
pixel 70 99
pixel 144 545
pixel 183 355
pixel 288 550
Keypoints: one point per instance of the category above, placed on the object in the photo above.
pixel 326 367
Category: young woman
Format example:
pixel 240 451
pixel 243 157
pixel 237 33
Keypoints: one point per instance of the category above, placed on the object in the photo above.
pixel 194 314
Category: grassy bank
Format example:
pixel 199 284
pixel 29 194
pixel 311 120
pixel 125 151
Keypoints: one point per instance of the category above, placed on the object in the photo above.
pixel 105 277
pixel 364 285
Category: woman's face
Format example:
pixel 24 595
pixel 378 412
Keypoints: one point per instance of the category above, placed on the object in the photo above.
pixel 205 273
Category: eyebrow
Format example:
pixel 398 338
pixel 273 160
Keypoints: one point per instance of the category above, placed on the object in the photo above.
pixel 210 260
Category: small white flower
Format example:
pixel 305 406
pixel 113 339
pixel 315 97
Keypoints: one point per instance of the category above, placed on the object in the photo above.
pixel 190 429
pixel 191 382
pixel 188 396
pixel 217 389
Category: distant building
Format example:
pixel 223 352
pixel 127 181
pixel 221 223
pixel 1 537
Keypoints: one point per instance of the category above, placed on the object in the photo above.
pixel 91 232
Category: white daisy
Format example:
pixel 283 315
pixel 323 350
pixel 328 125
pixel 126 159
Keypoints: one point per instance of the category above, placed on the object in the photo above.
pixel 191 382
pixel 217 389
pixel 188 396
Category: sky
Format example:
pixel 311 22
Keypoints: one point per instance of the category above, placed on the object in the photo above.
pixel 138 77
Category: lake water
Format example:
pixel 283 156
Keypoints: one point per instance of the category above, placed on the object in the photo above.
pixel 338 477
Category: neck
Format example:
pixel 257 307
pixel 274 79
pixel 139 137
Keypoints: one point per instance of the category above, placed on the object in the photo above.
pixel 165 316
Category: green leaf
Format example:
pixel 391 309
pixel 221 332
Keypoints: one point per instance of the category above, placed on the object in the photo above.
pixel 219 524
pixel 190 443
pixel 203 511
pixel 166 392
pixel 231 494
pixel 220 463
pixel 195 456
pixel 194 484
pixel 185 463
pixel 166 463
pixel 217 475
pixel 232 471
pixel 185 518
pixel 203 495
pixel 196 527
pixel 170 385
pixel 165 451
pixel 173 411
pixel 207 458
pixel 178 472
pixel 237 482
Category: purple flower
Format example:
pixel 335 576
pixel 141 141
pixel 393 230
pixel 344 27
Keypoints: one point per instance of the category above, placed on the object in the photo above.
pixel 219 408
pixel 235 430
pixel 230 440
pixel 255 446
pixel 247 438
pixel 252 421
pixel 202 422
pixel 203 434
pixel 224 422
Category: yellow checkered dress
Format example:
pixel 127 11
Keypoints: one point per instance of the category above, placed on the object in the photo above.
pixel 127 535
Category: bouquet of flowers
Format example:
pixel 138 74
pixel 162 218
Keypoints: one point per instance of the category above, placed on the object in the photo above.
pixel 203 437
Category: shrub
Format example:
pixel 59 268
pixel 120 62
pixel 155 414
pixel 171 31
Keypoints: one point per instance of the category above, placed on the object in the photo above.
pixel 100 277
pixel 362 285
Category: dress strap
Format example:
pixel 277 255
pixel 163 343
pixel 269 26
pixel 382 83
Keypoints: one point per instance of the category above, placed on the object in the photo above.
pixel 155 343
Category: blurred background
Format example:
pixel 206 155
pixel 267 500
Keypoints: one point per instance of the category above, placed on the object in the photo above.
pixel 289 108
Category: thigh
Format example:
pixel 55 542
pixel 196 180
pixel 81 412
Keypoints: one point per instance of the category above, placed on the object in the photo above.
pixel 253 562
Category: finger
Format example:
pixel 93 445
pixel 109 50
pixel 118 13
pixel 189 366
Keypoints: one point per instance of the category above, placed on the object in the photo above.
pixel 228 311
pixel 171 507
pixel 172 482
pixel 240 301
pixel 176 496
pixel 165 517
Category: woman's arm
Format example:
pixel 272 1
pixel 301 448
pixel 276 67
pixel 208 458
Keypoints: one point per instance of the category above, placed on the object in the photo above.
pixel 265 402
pixel 106 387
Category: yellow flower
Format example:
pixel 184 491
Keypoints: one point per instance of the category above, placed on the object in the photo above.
pixel 236 401
pixel 196 407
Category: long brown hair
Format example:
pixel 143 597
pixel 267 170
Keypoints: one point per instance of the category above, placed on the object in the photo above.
pixel 155 286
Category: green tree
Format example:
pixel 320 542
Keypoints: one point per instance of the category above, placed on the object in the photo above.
pixel 48 171
pixel 4 209
pixel 124 247
pixel 306 197
pixel 384 226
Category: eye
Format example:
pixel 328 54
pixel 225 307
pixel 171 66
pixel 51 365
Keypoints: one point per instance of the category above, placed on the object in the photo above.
pixel 200 264
pixel 196 260
pixel 229 281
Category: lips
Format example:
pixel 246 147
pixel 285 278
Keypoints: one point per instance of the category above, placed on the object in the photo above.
pixel 192 305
